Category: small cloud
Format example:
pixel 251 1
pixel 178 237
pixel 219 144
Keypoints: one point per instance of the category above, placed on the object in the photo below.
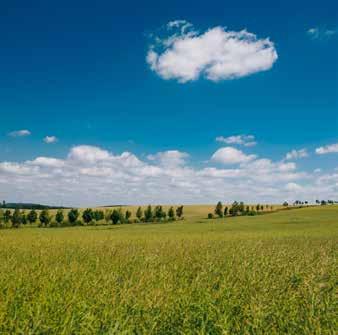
pixel 230 155
pixel 50 139
pixel 19 133
pixel 295 154
pixel 319 33
pixel 318 170
pixel 327 149
pixel 246 140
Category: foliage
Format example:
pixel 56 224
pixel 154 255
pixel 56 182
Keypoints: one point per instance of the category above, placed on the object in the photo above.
pixel 73 215
pixel 219 209
pixel 87 215
pixel 59 217
pixel 32 216
pixel 44 218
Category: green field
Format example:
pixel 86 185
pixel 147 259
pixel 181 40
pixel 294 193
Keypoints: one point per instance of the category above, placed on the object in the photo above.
pixel 267 274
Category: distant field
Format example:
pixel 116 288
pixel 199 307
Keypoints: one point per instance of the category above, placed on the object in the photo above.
pixel 270 274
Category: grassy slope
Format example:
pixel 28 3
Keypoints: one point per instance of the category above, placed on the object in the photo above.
pixel 271 274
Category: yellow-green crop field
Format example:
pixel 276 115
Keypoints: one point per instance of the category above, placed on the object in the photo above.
pixel 266 274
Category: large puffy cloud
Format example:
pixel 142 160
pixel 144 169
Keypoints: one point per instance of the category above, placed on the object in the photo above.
pixel 327 149
pixel 216 54
pixel 90 175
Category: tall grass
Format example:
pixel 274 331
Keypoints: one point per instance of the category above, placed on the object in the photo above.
pixel 273 274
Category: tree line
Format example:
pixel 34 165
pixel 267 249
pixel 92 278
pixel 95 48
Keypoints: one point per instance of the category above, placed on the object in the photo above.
pixel 74 217
pixel 238 208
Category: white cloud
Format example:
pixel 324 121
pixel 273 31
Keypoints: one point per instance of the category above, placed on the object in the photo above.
pixel 169 158
pixel 88 153
pixel 246 140
pixel 321 33
pixel 331 148
pixel 230 155
pixel 19 133
pixel 293 187
pixel 50 139
pixel 295 154
pixel 90 176
pixel 216 54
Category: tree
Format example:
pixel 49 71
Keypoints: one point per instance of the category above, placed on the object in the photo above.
pixel 219 209
pixel 258 207
pixel 247 209
pixel 32 216
pixel 98 215
pixel 16 218
pixel 179 211
pixel 210 216
pixel 171 213
pixel 241 207
pixel 285 204
pixel 73 215
pixel 115 216
pixel 148 214
pixel 226 211
pixel 139 213
pixel 158 213
pixel 234 208
pixel 87 215
pixel 127 215
pixel 7 215
pixel 262 208
pixel 44 217
pixel 59 217
pixel 23 218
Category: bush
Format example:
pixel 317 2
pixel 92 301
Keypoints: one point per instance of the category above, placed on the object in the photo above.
pixel 210 216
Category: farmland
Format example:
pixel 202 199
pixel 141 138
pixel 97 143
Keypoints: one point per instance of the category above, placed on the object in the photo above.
pixel 266 274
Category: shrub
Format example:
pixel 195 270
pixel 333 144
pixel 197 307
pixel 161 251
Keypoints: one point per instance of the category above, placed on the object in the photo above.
pixel 210 216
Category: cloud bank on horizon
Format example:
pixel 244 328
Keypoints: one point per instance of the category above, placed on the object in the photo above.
pixel 90 176
pixel 186 54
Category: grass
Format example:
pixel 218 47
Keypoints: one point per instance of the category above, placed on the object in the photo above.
pixel 270 274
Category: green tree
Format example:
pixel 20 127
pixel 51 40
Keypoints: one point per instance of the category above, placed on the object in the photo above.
pixel 148 214
pixel 73 215
pixel 127 215
pixel 219 209
pixel 115 216
pixel 32 216
pixel 225 211
pixel 44 217
pixel 23 218
pixel 258 207
pixel 171 213
pixel 87 215
pixel 158 213
pixel 98 215
pixel 7 215
pixel 16 218
pixel 59 217
pixel 179 211
pixel 139 213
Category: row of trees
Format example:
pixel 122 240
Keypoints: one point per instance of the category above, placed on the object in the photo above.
pixel 238 208
pixel 89 216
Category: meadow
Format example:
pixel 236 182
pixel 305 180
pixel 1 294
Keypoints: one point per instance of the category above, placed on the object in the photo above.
pixel 266 274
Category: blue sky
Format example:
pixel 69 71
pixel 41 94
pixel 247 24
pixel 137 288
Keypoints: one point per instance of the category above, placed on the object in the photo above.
pixel 78 71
